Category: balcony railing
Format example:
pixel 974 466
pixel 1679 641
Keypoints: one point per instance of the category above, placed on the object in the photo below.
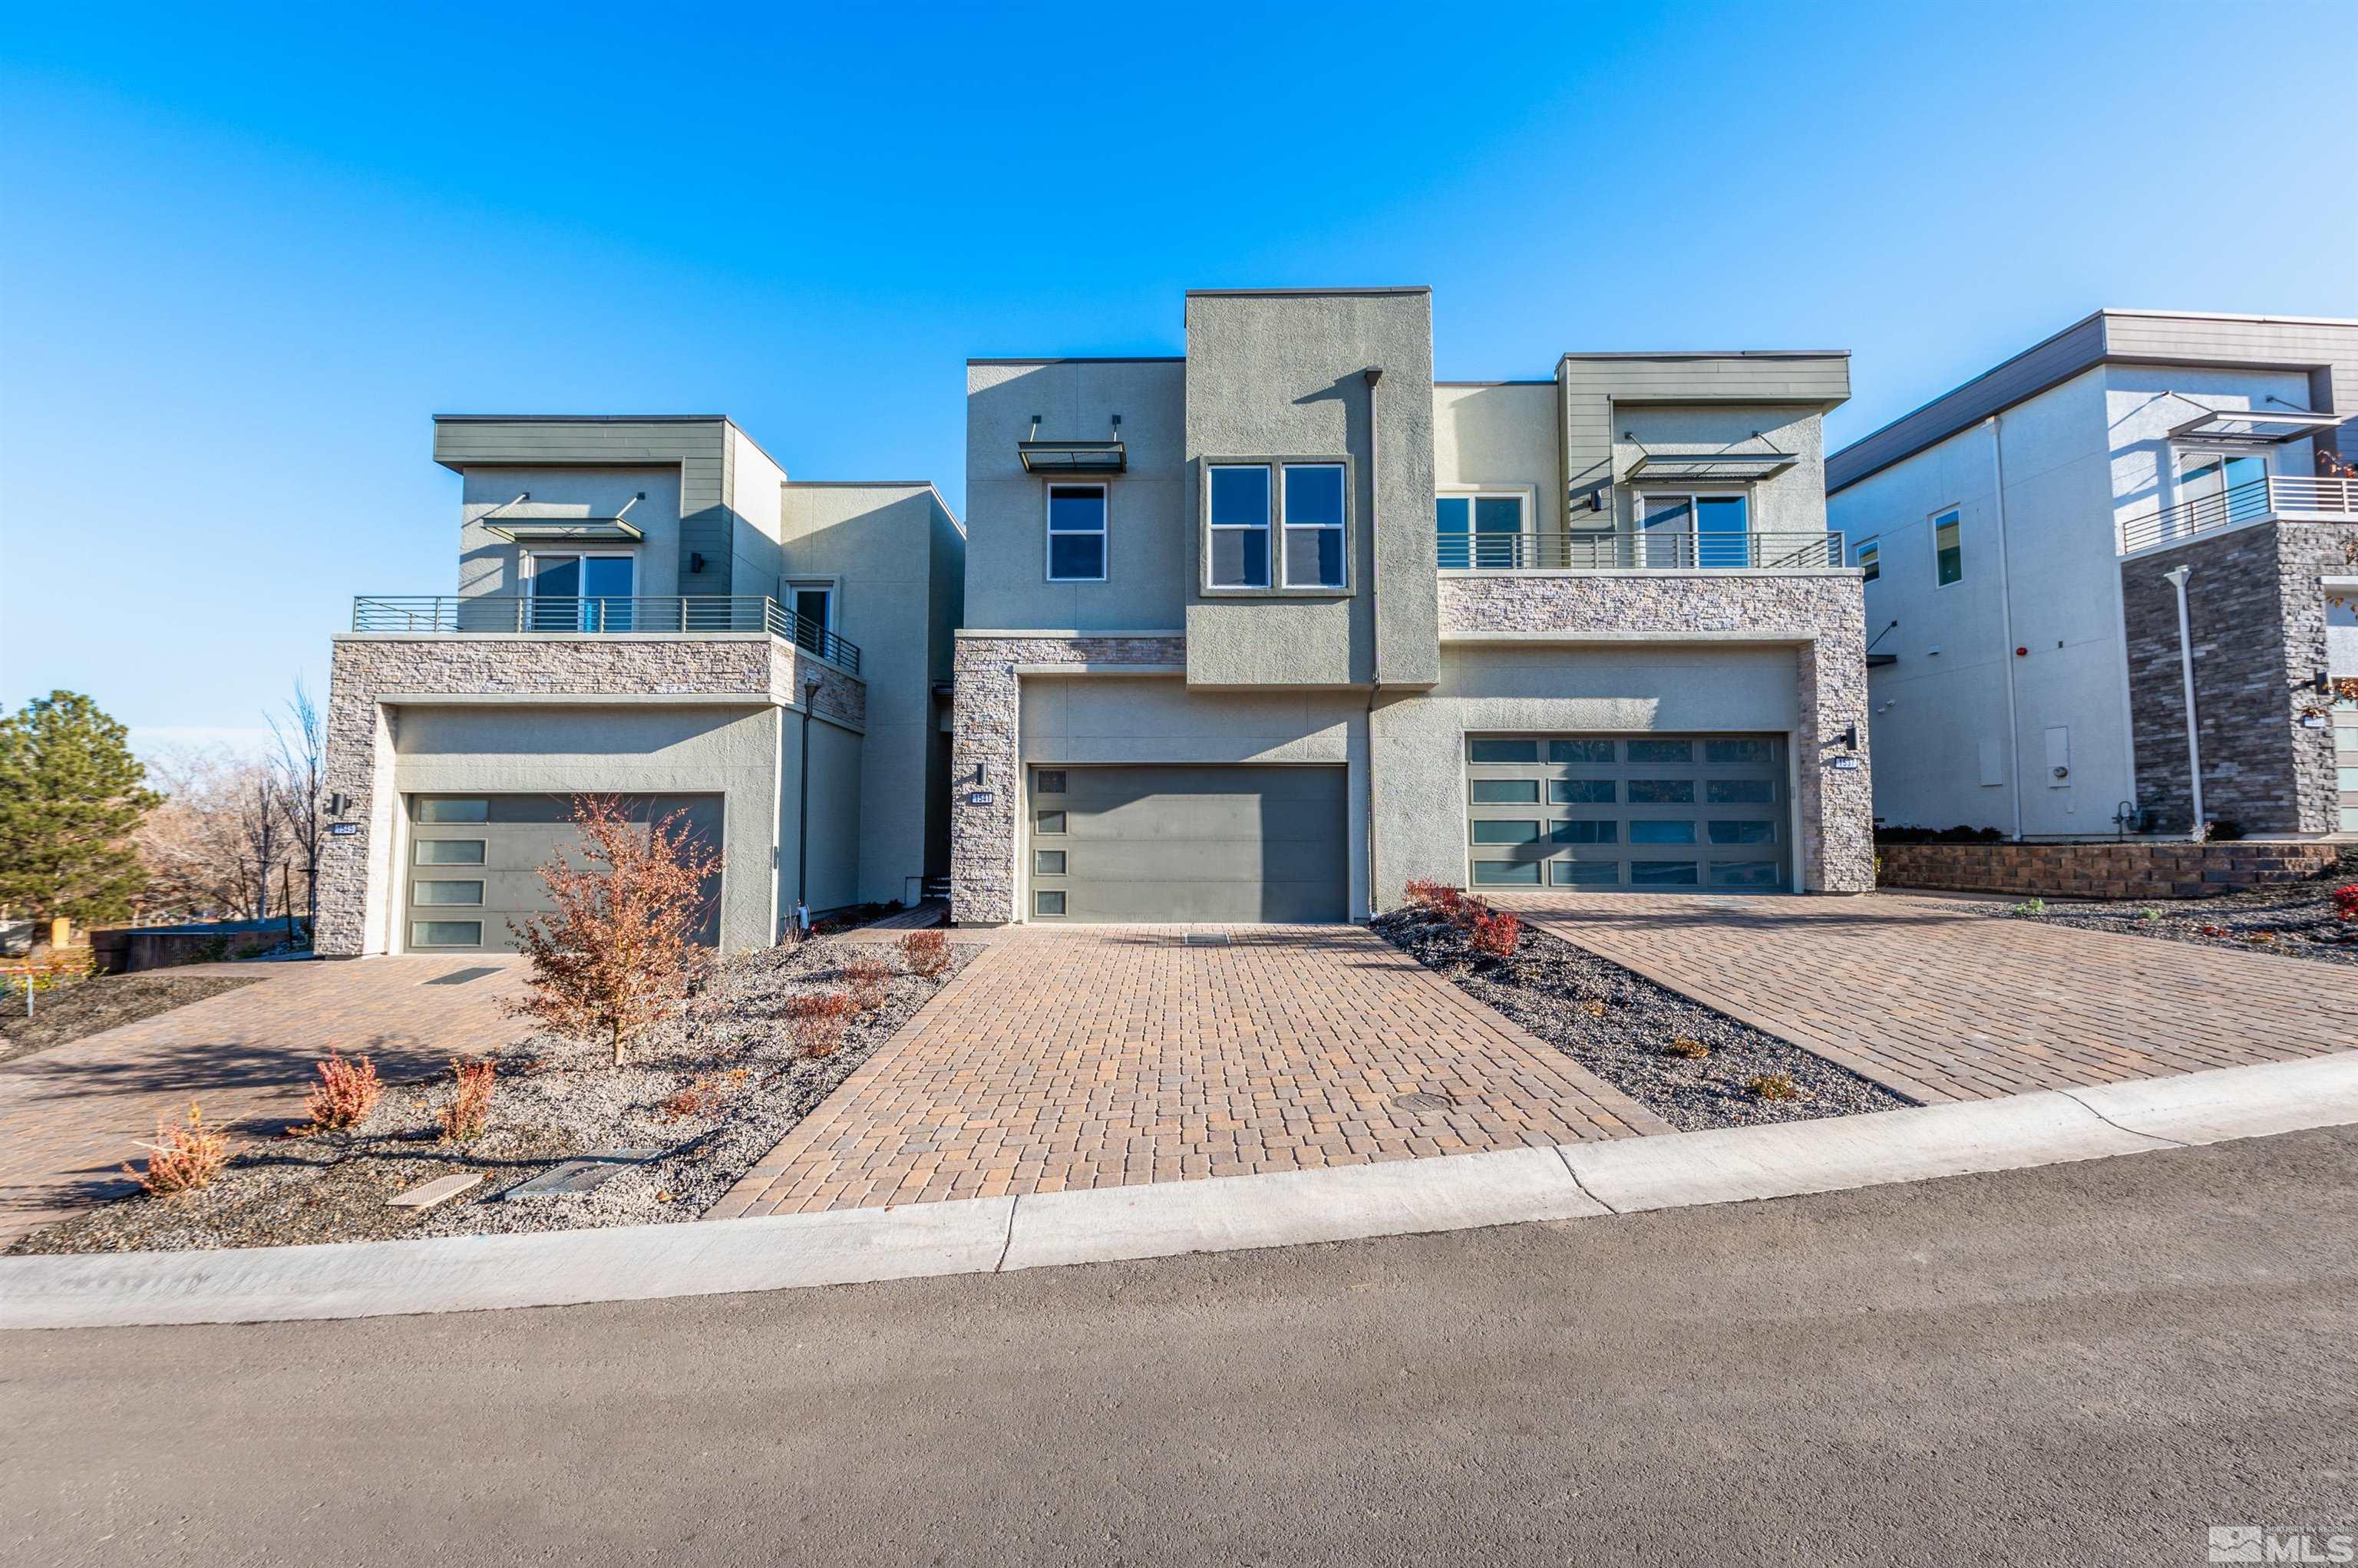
pixel 1655 549
pixel 2245 503
pixel 514 613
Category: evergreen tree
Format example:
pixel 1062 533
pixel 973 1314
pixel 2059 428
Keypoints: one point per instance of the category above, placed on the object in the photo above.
pixel 71 795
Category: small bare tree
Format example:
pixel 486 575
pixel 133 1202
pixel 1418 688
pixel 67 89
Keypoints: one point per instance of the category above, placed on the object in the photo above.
pixel 299 770
pixel 618 945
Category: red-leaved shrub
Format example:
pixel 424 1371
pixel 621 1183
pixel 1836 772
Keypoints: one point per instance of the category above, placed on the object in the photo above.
pixel 345 1094
pixel 470 1110
pixel 2345 903
pixel 182 1159
pixel 817 1021
pixel 926 952
pixel 1494 931
pixel 868 979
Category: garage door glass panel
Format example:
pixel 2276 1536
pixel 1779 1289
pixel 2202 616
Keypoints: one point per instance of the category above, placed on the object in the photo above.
pixel 1583 791
pixel 1748 753
pixel 1643 832
pixel 1661 751
pixel 1662 792
pixel 447 809
pixel 1502 751
pixel 449 852
pixel 1587 832
pixel 1587 873
pixel 1590 753
pixel 1505 791
pixel 1507 873
pixel 1740 791
pixel 445 933
pixel 1762 832
pixel 1745 874
pixel 1662 873
pixel 448 892
pixel 1506 832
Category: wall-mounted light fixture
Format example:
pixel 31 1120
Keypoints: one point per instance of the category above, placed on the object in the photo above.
pixel 2321 682
pixel 1850 738
pixel 696 560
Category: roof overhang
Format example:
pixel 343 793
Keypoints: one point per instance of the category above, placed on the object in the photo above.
pixel 1072 457
pixel 2254 427
pixel 1729 467
pixel 565 531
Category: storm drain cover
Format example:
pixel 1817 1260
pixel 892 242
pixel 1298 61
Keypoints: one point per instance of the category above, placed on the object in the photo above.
pixel 460 977
pixel 1423 1101
pixel 1207 940
pixel 580 1174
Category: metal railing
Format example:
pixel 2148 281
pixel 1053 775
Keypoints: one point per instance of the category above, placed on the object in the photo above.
pixel 1655 549
pixel 2244 502
pixel 543 613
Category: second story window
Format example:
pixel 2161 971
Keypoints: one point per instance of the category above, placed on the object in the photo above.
pixel 1695 529
pixel 1474 531
pixel 1870 558
pixel 1313 525
pixel 1948 547
pixel 1076 533
pixel 1240 533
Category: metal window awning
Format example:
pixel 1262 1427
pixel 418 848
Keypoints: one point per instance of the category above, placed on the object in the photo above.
pixel 1072 457
pixel 565 531
pixel 1721 466
pixel 2254 427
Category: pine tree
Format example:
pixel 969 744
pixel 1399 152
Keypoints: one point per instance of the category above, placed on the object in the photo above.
pixel 71 795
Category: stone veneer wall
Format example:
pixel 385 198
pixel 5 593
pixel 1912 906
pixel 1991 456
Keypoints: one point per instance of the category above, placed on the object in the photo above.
pixel 1822 614
pixel 2256 609
pixel 372 671
pixel 2102 871
pixel 987 729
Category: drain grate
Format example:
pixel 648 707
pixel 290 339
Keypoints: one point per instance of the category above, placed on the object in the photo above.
pixel 1207 940
pixel 579 1175
pixel 460 977
pixel 1423 1101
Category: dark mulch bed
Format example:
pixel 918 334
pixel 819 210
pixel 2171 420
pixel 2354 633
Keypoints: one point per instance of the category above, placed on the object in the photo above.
pixel 556 1098
pixel 107 1002
pixel 2295 919
pixel 1616 1024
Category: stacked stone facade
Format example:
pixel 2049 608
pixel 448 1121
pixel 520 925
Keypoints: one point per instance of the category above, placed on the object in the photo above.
pixel 373 674
pixel 985 754
pixel 2255 612
pixel 1819 614
pixel 2102 871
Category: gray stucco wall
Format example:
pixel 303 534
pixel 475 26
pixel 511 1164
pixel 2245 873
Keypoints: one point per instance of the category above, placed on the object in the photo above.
pixel 1598 390
pixel 1794 502
pixel 1281 375
pixel 374 678
pixel 2255 607
pixel 1147 558
pixel 831 878
pixel 490 564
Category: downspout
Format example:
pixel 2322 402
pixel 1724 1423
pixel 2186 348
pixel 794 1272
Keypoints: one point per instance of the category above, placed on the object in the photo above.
pixel 2177 577
pixel 2005 616
pixel 1374 373
pixel 802 820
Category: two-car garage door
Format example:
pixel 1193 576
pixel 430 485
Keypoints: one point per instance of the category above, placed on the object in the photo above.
pixel 1633 813
pixel 474 862
pixel 1183 843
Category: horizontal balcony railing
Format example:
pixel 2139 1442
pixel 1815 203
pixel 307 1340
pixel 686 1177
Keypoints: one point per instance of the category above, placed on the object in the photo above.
pixel 1655 549
pixel 527 614
pixel 2245 503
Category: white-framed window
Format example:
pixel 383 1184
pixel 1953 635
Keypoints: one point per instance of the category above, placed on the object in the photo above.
pixel 2218 487
pixel 1695 527
pixel 1867 557
pixel 581 590
pixel 1239 504
pixel 1948 547
pixel 812 604
pixel 1076 533
pixel 1485 530
pixel 1315 531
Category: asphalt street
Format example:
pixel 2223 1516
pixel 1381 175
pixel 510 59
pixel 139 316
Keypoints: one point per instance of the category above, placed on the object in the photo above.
pixel 2081 1364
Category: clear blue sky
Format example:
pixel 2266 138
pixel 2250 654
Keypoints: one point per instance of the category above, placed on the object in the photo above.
pixel 243 258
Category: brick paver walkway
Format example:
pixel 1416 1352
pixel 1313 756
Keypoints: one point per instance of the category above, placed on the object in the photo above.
pixel 1946 1000
pixel 1111 1055
pixel 72 1115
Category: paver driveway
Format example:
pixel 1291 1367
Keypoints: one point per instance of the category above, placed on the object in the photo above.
pixel 70 1116
pixel 1947 1000
pixel 1110 1055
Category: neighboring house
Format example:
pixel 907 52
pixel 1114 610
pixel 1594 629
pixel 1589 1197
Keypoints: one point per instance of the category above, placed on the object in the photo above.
pixel 1267 631
pixel 646 607
pixel 2032 680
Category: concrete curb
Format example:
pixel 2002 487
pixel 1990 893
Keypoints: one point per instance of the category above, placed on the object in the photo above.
pixel 473 1273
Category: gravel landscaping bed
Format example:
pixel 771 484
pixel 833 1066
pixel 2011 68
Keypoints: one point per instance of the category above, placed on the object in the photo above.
pixel 1616 1024
pixel 2295 919
pixel 726 1050
pixel 107 1001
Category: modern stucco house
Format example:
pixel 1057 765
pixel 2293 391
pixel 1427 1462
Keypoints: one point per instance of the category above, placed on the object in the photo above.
pixel 1264 630
pixel 647 607
pixel 2018 534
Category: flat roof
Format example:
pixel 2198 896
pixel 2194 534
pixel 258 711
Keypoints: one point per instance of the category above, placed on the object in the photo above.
pixel 1717 354
pixel 1080 360
pixel 1288 293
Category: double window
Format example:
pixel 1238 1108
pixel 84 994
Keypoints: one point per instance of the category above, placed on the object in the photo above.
pixel 1949 548
pixel 1476 532
pixel 1695 529
pixel 579 592
pixel 1076 533
pixel 1285 525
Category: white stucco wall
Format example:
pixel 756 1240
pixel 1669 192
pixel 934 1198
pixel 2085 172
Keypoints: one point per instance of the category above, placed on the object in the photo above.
pixel 1501 437
pixel 755 483
pixel 490 565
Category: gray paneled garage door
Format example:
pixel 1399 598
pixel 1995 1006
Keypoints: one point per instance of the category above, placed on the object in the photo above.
pixel 474 863
pixel 1189 843
pixel 1637 813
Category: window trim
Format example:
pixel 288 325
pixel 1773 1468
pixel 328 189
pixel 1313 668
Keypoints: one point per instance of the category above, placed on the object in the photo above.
pixel 1281 537
pixel 1277 587
pixel 528 580
pixel 1525 497
pixel 1691 493
pixel 1932 533
pixel 1048 530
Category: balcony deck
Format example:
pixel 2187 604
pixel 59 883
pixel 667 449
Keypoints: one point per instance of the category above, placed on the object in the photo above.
pixel 2279 497
pixel 681 615
pixel 1654 549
